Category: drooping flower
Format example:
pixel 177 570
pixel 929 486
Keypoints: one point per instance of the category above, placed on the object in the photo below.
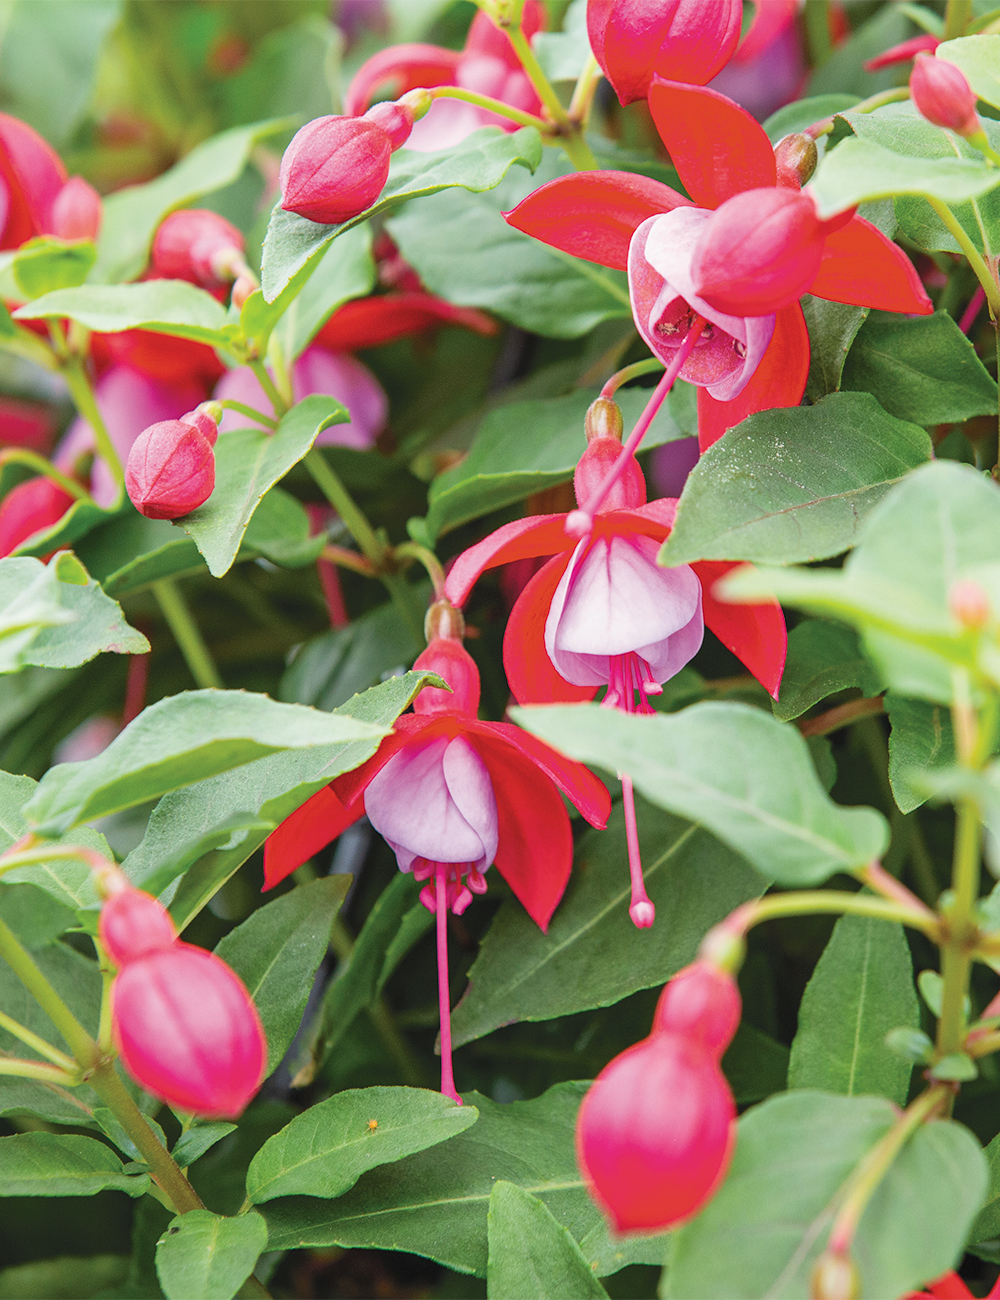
pixel 383 318
pixel 601 612
pixel 740 364
pixel 487 65
pixel 905 50
pixel 452 795
pixel 683 40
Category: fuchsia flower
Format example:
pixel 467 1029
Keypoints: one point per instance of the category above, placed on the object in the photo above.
pixel 183 1023
pixel 199 246
pixel 385 317
pixel 655 1133
pixel 171 467
pixel 487 65
pixel 742 363
pixel 602 612
pixel 684 40
pixel 31 176
pixel 942 94
pixel 452 794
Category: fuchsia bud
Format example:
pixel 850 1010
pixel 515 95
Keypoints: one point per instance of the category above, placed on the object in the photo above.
pixel 445 655
pixel 703 1003
pixel 186 1030
pixel 681 40
pixel 758 252
pixel 133 924
pixel 171 467
pixel 602 452
pixel 77 211
pixel 28 508
pixel 943 95
pixel 199 246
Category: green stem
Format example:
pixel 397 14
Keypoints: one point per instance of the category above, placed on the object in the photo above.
pixel 41 1045
pixel 956 955
pixel 647 367
pixel 817 31
pixel 163 1168
pixel 533 71
pixel 980 142
pixel 328 482
pixel 186 633
pixel 583 92
pixel 268 385
pixel 972 253
pixel 24 967
pixel 83 395
pixel 21 456
pixel 893 96
pixel 579 152
pixel 39 1071
pixel 956 18
pixel 808 902
pixel 428 559
pixel 242 409
pixel 489 103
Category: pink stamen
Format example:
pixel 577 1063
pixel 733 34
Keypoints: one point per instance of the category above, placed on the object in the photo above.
pixel 972 311
pixel 444 1000
pixel 580 522
pixel 641 910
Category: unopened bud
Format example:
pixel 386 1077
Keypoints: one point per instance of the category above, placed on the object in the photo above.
pixel 969 604
pixel 443 622
pixel 795 157
pixel 133 924
pixel 76 211
pixel 196 245
pixel 170 470
pixel 604 419
pixel 245 285
pixel 724 946
pixel 29 508
pixel 416 102
pixel 943 95
pixel 703 1003
pixel 835 1277
pixel 205 419
pixel 335 168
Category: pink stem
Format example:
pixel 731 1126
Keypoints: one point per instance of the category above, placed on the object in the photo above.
pixel 136 681
pixel 444 1000
pixel 580 522
pixel 641 910
pixel 330 582
pixel 972 311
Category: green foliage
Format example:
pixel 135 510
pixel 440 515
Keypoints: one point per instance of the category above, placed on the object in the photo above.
pixel 203 1256
pixel 531 1253
pixel 59 1164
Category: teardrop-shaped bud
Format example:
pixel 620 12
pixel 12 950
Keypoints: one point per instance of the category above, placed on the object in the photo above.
pixel 133 924
pixel 601 454
pixel 452 663
pixel 170 470
pixel 603 419
pixel 199 246
pixel 334 168
pixel 28 509
pixel 703 1003
pixel 943 95
pixel 655 1133
pixel 77 211
pixel 796 158
pixel 187 1030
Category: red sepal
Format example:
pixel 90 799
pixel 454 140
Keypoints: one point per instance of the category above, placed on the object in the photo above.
pixel 531 674
pixel 716 146
pixel 593 214
pixel 34 175
pixel 756 634
pixel 406 67
pixel 370 322
pixel 860 265
pixel 522 539
pixel 779 380
pixel 302 834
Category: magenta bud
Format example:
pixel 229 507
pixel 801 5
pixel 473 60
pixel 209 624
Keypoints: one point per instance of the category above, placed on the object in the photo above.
pixel 199 246
pixel 76 211
pixel 943 95
pixel 205 419
pixel 396 120
pixel 702 1003
pixel 187 1031
pixel 446 656
pixel 170 470
pixel 758 252
pixel 29 508
pixel 133 924
pixel 594 464
pixel 335 168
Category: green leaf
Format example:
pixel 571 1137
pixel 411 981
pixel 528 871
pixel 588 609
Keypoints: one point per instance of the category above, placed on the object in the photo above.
pixel 464 250
pixel 66 1277
pixel 987 1225
pixel 563 55
pixel 755 1065
pixel 194 1142
pixel 58 1164
pixel 113 1129
pixel 526 447
pixel 479 162
pixel 399 1207
pixel 277 951
pixel 162 306
pixel 793 484
pixel 176 742
pixel 132 215
pixel 922 369
pixel 324 1151
pixel 79 519
pixel 248 462
pixel 345 271
pixel 531 1255
pixel 592 956
pixel 832 329
pixel 43 265
pixel 203 1256
pixel 861 989
pixel 823 658
pixel 979 59
pixel 48 618
pixel 920 741
pixel 764 1230
pixel 746 777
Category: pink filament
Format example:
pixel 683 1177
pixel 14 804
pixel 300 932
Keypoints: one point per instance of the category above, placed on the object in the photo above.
pixel 641 909
pixel 973 310
pixel 444 1000
pixel 580 522
pixel 630 673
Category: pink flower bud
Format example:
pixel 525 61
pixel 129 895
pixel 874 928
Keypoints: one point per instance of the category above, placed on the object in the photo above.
pixel 943 95
pixel 397 119
pixel 655 1133
pixel 76 212
pixel 969 603
pixel 186 1030
pixel 452 662
pixel 681 40
pixel 133 924
pixel 758 252
pixel 29 508
pixel 702 1003
pixel 594 464
pixel 205 419
pixel 196 245
pixel 170 470
pixel 334 168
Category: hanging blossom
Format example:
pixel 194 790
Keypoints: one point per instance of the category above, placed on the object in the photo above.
pixel 602 612
pixel 451 795
pixel 742 361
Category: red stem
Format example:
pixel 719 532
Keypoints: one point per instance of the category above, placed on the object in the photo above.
pixel 444 1000
pixel 975 306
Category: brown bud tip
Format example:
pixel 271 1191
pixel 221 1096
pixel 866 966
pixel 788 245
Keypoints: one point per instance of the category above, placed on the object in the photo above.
pixel 796 157
pixel 604 420
pixel 444 622
pixel 969 604
pixel 835 1277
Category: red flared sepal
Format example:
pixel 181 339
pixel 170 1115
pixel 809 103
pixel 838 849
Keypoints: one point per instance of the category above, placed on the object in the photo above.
pixel 531 674
pixel 406 67
pixel 756 634
pixel 370 322
pixel 861 266
pixel 302 834
pixel 523 539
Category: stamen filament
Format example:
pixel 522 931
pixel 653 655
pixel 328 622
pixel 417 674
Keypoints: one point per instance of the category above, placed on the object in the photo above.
pixel 444 999
pixel 641 910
